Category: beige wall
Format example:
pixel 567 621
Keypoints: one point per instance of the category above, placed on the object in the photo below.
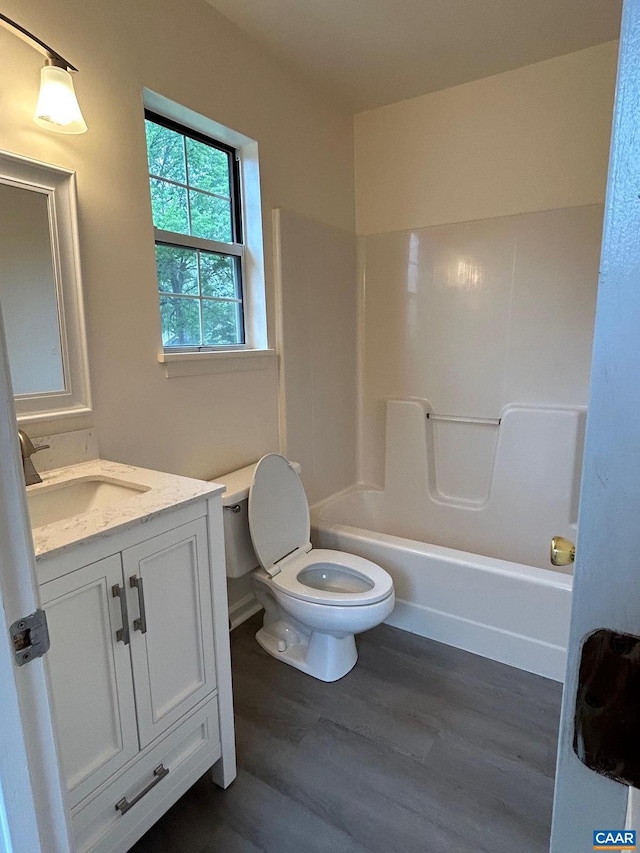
pixel 528 140
pixel 198 425
pixel 317 275
pixel 532 139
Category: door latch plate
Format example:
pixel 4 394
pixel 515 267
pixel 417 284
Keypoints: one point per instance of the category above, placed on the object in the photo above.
pixel 30 637
pixel 605 734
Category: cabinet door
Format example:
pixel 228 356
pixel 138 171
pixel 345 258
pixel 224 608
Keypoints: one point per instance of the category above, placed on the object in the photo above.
pixel 90 675
pixel 172 647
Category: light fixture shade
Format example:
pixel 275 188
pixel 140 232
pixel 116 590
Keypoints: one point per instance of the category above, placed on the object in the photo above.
pixel 58 107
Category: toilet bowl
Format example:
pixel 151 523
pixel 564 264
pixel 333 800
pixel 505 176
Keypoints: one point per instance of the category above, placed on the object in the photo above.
pixel 315 601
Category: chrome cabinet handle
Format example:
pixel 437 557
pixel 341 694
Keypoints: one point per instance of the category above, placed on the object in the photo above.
pixel 124 804
pixel 139 624
pixel 122 634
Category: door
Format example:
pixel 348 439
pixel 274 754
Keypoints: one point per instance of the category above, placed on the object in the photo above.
pixel 32 811
pixel 170 610
pixel 607 577
pixel 90 677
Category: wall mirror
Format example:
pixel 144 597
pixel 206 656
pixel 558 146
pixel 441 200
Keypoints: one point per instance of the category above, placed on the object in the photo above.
pixel 41 289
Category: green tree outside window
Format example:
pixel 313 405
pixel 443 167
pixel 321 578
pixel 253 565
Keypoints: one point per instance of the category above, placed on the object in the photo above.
pixel 200 288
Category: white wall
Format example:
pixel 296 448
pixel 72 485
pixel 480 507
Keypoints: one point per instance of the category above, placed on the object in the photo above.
pixel 480 211
pixel 536 138
pixel 317 275
pixel 197 425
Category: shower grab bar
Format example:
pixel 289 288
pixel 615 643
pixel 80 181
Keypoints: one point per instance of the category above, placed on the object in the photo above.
pixel 461 419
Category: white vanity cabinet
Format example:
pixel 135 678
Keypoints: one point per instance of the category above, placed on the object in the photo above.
pixel 172 651
pixel 90 677
pixel 134 664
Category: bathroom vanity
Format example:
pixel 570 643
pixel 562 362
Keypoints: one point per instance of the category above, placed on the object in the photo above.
pixel 131 572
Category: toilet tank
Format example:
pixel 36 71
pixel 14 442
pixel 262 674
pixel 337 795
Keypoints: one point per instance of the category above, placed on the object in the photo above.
pixel 238 550
pixel 239 554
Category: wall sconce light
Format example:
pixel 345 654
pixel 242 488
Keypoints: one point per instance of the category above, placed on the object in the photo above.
pixel 57 107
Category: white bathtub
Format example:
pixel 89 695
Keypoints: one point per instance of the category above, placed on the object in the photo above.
pixel 510 612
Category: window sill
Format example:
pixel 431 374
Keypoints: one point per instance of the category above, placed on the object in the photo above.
pixel 229 361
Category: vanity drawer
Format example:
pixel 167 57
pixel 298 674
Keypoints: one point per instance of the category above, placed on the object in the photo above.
pixel 186 752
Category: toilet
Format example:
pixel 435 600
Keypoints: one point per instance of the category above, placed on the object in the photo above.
pixel 314 600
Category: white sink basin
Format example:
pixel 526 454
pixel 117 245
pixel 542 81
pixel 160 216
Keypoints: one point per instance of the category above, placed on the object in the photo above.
pixel 48 504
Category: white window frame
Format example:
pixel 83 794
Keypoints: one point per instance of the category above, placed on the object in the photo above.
pixel 255 352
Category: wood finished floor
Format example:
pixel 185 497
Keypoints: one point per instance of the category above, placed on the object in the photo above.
pixel 422 748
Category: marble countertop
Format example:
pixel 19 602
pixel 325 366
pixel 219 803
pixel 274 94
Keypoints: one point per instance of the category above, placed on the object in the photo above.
pixel 165 491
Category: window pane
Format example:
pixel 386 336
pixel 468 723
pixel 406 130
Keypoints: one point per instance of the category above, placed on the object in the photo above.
pixel 177 269
pixel 180 322
pixel 220 324
pixel 218 276
pixel 165 152
pixel 210 217
pixel 200 290
pixel 208 168
pixel 170 208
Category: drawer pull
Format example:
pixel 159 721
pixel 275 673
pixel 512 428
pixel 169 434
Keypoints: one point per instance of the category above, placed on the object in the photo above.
pixel 139 624
pixel 159 773
pixel 122 634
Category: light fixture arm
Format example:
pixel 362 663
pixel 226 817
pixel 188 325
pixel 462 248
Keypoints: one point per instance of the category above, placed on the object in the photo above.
pixel 52 55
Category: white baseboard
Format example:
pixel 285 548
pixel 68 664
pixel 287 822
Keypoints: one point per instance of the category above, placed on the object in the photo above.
pixel 488 641
pixel 242 610
pixel 497 644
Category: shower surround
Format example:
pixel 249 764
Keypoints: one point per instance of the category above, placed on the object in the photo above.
pixel 475 317
pixel 475 345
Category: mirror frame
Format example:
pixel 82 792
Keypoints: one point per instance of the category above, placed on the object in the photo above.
pixel 59 186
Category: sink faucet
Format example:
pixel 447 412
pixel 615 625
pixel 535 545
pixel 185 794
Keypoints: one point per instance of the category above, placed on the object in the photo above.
pixel 27 450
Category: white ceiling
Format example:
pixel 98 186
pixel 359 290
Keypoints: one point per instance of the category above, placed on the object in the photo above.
pixel 367 53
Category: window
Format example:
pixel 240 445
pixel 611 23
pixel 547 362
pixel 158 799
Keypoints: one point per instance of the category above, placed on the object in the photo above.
pixel 195 200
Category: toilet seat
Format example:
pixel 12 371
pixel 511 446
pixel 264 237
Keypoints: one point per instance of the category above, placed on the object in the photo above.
pixel 280 529
pixel 290 582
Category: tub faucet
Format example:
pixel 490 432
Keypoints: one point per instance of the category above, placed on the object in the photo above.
pixel 27 450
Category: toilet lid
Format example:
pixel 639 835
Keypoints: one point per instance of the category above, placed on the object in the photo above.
pixel 278 510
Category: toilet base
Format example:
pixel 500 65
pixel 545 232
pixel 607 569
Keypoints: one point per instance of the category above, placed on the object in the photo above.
pixel 322 656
